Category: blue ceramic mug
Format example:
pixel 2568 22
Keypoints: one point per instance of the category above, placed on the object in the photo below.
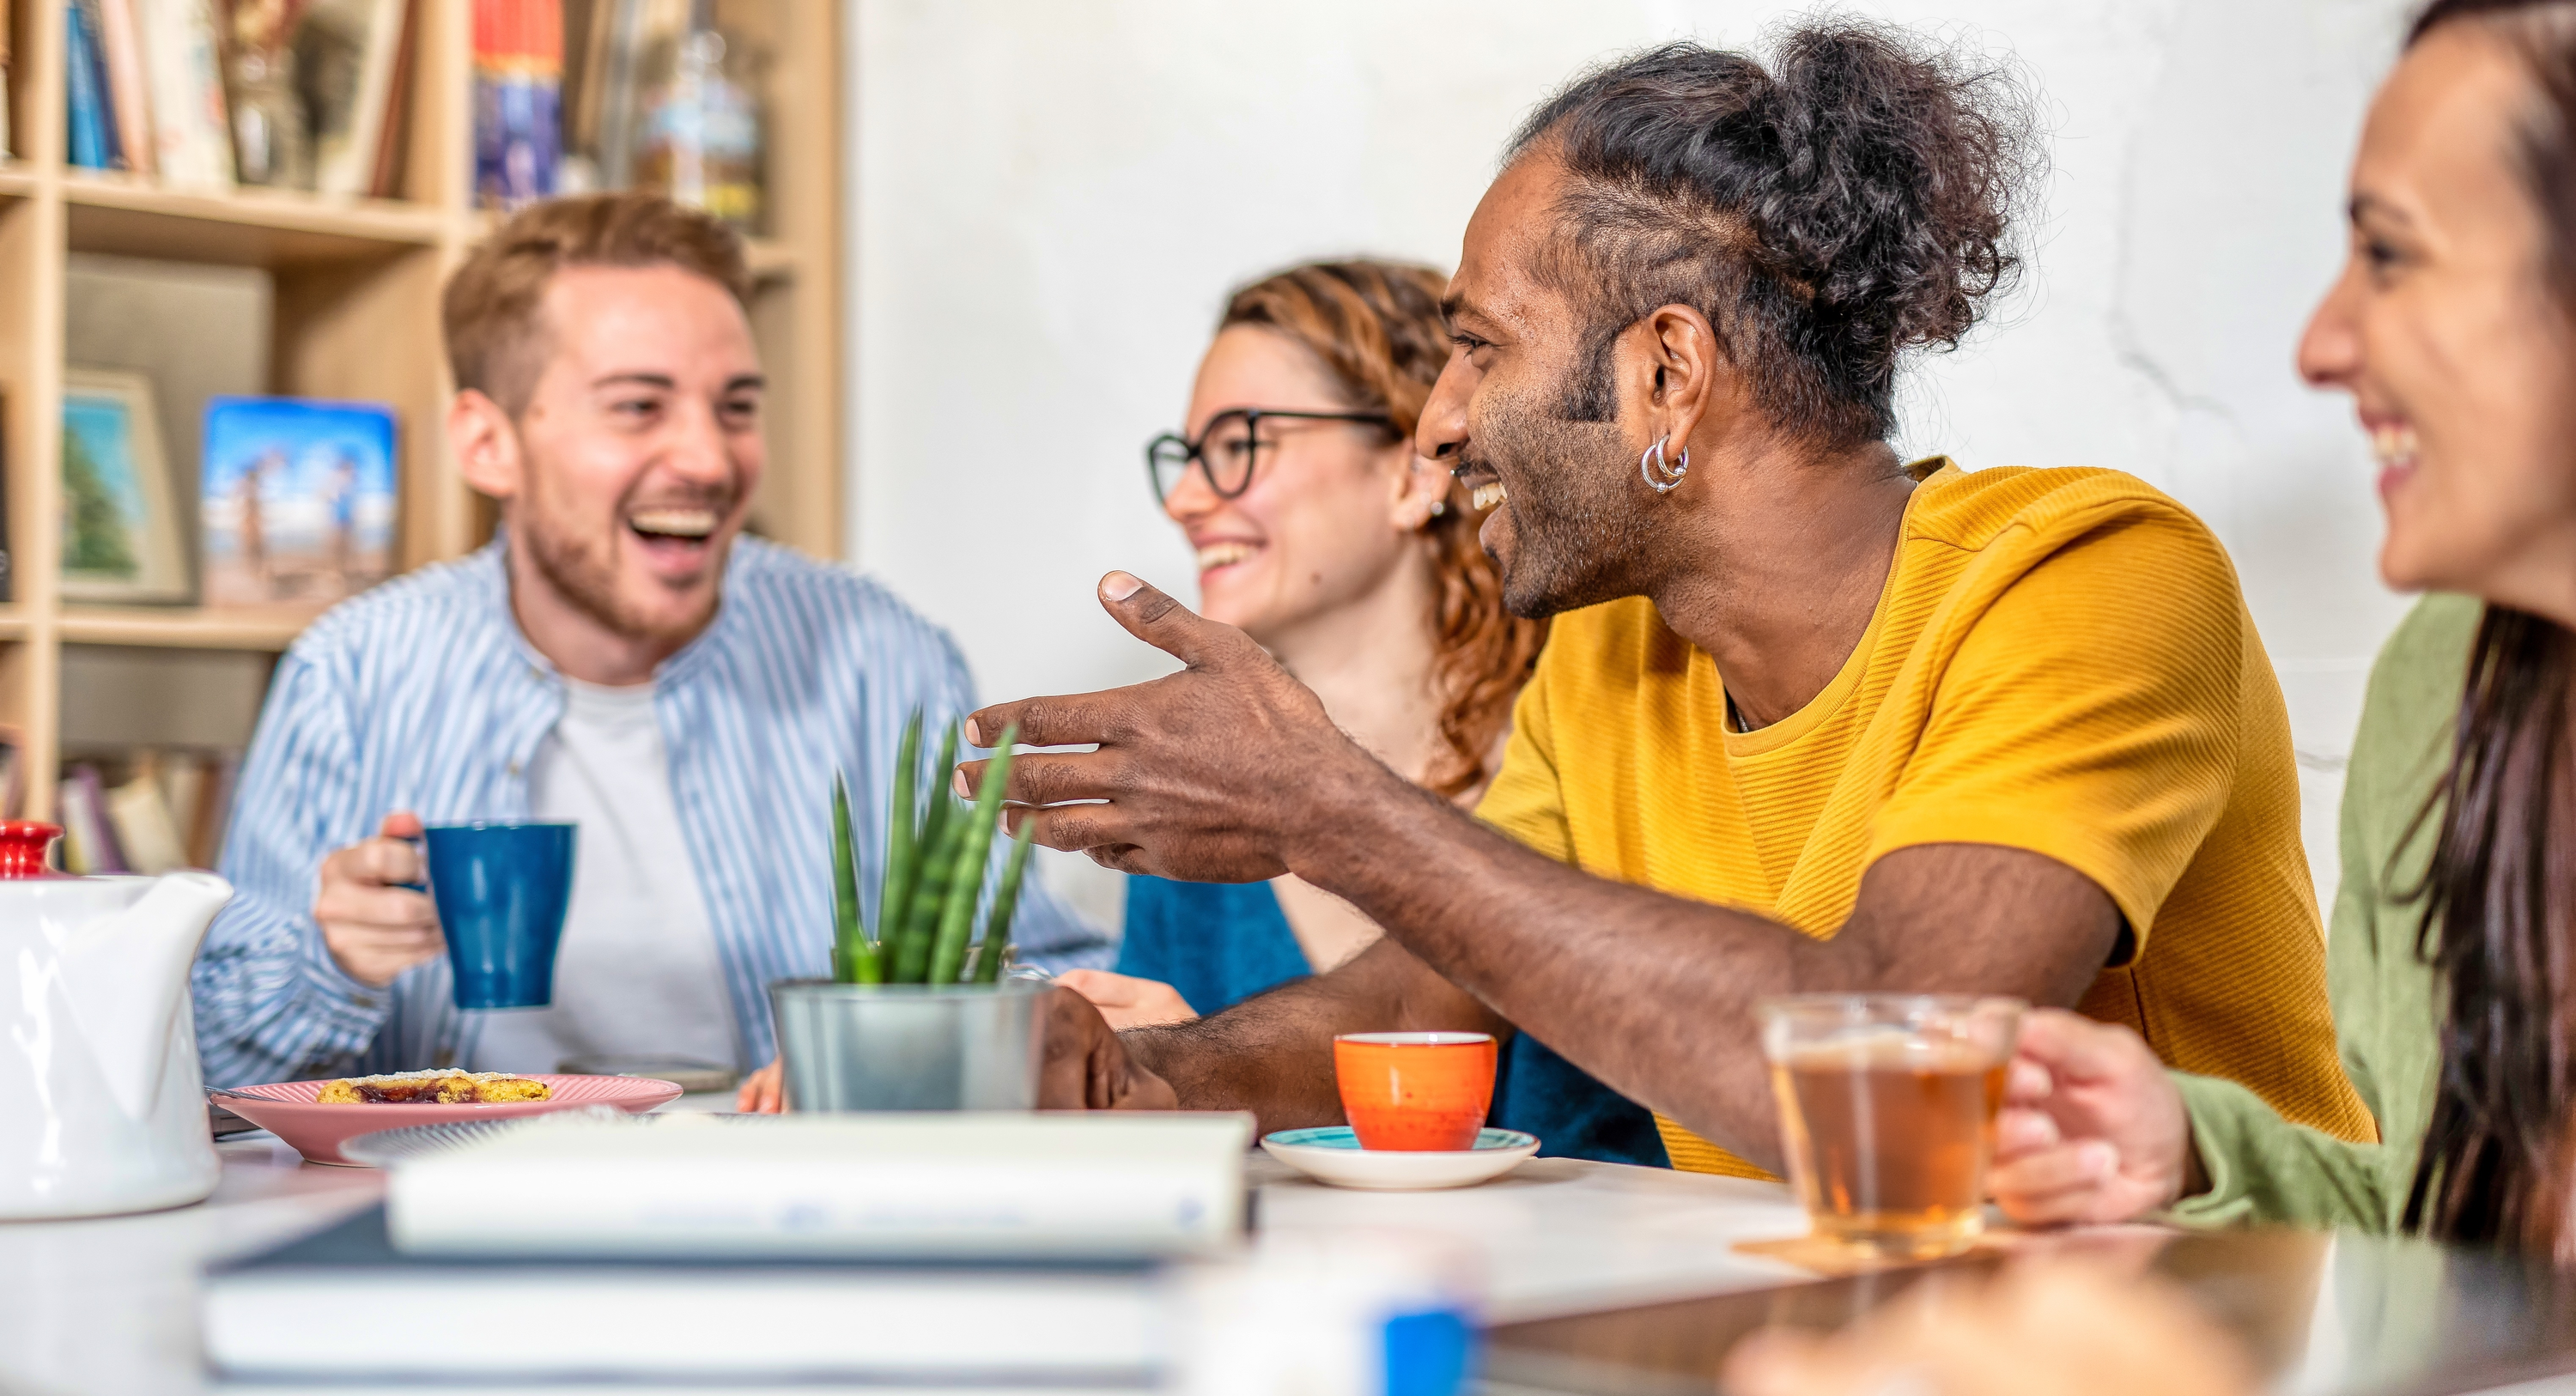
pixel 502 889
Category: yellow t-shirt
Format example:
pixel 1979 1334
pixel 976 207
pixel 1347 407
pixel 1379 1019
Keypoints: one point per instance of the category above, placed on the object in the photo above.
pixel 2061 662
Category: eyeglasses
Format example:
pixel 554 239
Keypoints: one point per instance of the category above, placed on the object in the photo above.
pixel 1229 447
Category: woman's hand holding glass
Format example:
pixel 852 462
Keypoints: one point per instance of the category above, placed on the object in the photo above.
pixel 2092 1130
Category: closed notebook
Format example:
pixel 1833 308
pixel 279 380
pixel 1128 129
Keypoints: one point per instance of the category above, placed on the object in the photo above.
pixel 345 1304
pixel 985 1186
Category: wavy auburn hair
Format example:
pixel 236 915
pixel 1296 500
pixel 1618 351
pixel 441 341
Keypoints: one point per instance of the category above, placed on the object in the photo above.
pixel 1377 329
pixel 2498 1163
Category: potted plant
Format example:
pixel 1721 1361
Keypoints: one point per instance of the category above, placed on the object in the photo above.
pixel 919 1015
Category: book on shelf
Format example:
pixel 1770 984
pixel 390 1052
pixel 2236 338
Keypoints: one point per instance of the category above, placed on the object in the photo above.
pixel 13 772
pixel 168 812
pixel 90 133
pixel 316 1309
pixel 386 180
pixel 192 143
pixel 8 76
pixel 518 96
pixel 347 55
pixel 120 51
pixel 89 841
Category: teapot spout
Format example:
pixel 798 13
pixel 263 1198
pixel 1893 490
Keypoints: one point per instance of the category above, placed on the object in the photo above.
pixel 127 975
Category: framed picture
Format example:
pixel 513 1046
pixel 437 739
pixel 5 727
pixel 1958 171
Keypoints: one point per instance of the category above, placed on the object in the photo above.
pixel 121 530
pixel 297 498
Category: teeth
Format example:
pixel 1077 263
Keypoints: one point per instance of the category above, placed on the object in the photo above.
pixel 1487 496
pixel 1223 554
pixel 676 523
pixel 2394 445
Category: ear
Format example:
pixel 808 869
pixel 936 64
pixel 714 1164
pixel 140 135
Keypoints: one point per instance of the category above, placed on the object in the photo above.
pixel 1675 377
pixel 486 443
pixel 1418 490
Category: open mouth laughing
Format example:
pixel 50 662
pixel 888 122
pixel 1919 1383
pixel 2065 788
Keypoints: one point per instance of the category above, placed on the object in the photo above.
pixel 1225 553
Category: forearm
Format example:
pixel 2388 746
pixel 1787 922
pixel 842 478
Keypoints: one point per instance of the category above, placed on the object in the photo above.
pixel 1619 980
pixel 1272 1054
pixel 1656 995
pixel 2261 1168
pixel 270 1005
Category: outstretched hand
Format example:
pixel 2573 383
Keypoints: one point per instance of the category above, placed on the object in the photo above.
pixel 1207 775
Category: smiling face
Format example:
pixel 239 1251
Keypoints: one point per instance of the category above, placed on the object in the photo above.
pixel 2445 328
pixel 636 456
pixel 1564 519
pixel 1332 509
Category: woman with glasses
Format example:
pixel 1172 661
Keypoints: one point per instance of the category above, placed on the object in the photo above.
pixel 1320 534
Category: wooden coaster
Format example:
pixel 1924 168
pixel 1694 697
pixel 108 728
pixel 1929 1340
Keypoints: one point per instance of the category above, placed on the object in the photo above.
pixel 1834 1259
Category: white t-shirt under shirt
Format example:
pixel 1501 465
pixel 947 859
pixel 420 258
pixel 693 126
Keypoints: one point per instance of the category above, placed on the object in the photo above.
pixel 637 973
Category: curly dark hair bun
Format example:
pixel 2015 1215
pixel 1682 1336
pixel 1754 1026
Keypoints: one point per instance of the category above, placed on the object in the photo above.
pixel 1850 203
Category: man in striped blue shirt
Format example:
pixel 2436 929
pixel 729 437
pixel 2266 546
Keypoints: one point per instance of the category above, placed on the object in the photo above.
pixel 619 657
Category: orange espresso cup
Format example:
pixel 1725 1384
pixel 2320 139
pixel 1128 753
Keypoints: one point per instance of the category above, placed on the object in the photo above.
pixel 1415 1091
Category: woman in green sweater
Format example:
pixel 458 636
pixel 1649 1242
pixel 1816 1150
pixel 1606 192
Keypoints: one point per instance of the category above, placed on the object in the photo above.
pixel 2452 958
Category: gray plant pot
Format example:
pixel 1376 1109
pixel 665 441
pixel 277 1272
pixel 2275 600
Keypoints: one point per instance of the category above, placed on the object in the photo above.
pixel 909 1046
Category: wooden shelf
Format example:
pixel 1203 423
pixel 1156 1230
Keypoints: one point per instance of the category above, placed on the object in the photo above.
pixel 244 227
pixel 770 261
pixel 184 628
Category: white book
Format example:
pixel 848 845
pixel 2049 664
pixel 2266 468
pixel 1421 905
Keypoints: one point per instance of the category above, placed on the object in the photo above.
pixel 145 831
pixel 343 1304
pixel 192 143
pixel 1007 1186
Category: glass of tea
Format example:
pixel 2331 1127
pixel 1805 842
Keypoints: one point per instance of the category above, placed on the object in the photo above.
pixel 1887 1112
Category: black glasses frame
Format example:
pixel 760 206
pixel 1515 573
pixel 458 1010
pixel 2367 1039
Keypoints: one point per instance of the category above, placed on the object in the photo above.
pixel 1195 452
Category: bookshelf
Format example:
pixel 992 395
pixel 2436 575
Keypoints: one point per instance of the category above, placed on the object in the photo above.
pixel 355 315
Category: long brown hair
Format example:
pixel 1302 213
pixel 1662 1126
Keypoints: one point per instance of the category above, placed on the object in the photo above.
pixel 1377 329
pixel 2499 896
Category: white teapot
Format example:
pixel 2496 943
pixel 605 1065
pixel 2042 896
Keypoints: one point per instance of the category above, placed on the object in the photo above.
pixel 102 1105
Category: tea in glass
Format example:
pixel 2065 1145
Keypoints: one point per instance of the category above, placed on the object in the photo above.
pixel 1887 1112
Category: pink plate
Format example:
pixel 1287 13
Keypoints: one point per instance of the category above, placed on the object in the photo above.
pixel 287 1109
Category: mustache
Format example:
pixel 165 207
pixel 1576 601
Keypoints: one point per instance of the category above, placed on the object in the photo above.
pixel 1468 461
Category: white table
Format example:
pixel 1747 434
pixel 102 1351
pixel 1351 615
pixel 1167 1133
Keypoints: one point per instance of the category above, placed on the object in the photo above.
pixel 109 1307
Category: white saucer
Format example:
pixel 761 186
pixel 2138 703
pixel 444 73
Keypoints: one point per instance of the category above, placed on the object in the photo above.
pixel 1333 1155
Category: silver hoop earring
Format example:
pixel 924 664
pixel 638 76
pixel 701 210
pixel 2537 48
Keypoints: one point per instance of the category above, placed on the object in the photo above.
pixel 1659 473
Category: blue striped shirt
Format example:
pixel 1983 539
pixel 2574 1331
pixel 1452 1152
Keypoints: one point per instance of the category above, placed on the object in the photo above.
pixel 423 695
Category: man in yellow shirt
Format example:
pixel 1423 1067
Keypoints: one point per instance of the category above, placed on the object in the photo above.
pixel 1810 719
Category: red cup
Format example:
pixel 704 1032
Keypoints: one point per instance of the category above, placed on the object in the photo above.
pixel 1415 1091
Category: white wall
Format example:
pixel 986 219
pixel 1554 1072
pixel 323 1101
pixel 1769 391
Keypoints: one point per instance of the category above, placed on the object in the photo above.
pixel 1051 197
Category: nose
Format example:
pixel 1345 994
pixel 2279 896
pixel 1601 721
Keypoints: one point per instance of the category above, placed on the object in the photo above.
pixel 701 451
pixel 1191 499
pixel 1442 432
pixel 2330 348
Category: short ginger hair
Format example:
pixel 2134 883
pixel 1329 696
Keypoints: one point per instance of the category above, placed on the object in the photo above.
pixel 489 313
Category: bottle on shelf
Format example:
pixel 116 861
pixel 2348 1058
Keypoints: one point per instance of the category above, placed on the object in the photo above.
pixel 271 145
pixel 698 137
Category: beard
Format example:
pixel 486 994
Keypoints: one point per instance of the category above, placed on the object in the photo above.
pixel 583 569
pixel 1577 527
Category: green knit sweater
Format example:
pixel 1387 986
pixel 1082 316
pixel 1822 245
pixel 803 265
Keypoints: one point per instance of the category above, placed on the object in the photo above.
pixel 2263 1168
